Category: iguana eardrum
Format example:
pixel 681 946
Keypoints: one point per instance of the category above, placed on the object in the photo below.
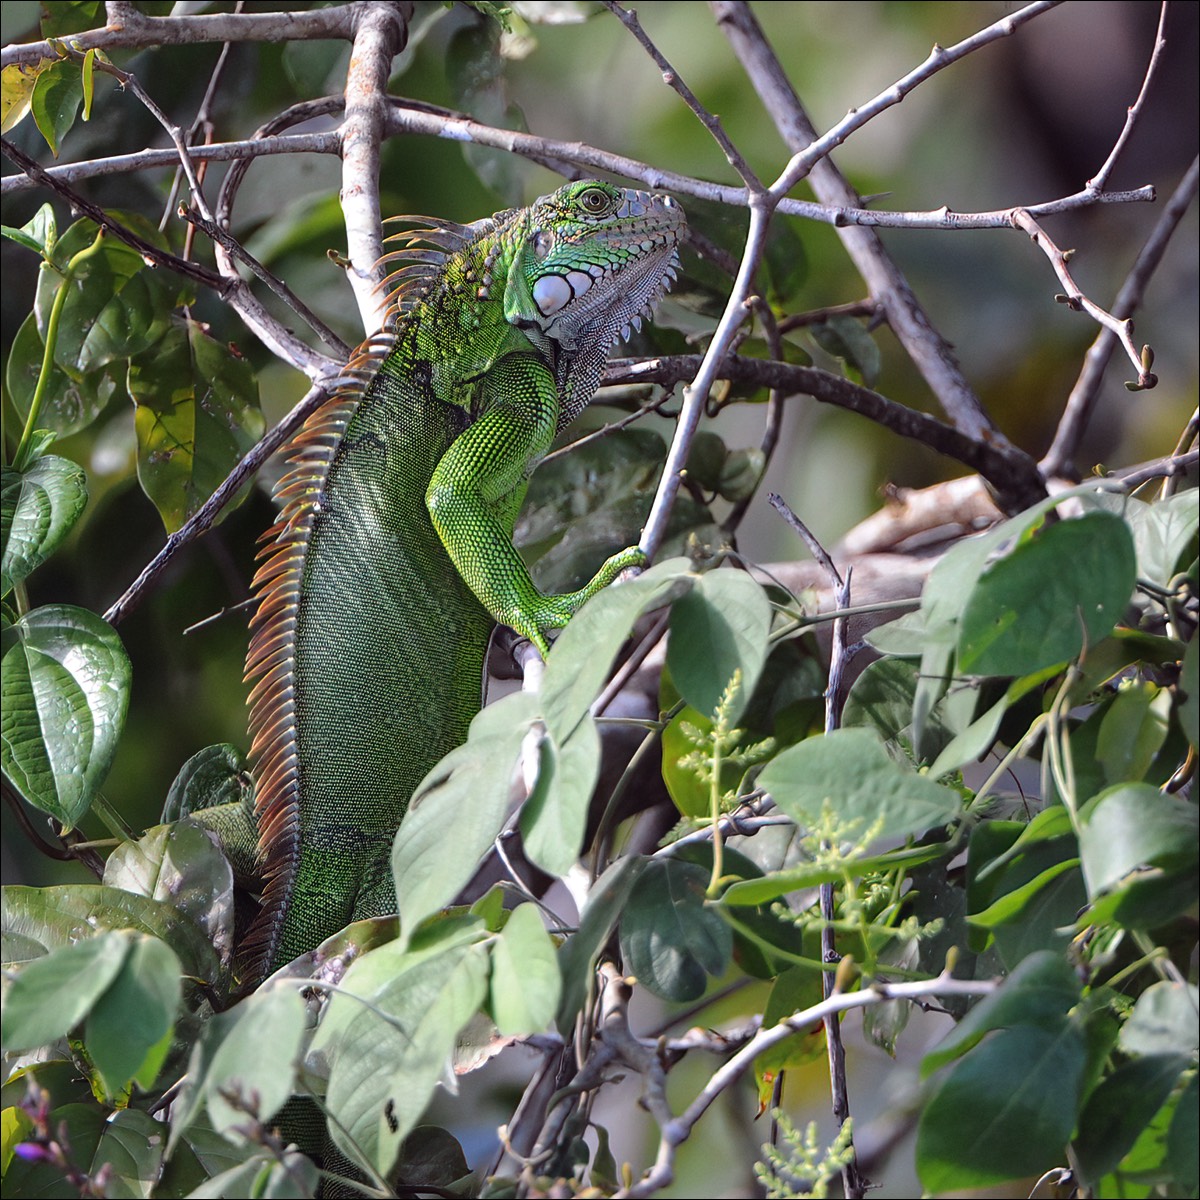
pixel 393 553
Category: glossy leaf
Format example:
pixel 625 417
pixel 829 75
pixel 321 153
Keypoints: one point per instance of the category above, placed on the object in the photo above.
pixel 57 94
pixel 525 985
pixel 1164 1021
pixel 197 414
pixel 850 771
pixel 1058 590
pixel 38 508
pixel 40 232
pixel 68 404
pixel 66 682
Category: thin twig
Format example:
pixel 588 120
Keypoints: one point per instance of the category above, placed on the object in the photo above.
pixel 677 1131
pixel 914 329
pixel 1098 181
pixel 135 29
pixel 1059 459
pixel 1075 299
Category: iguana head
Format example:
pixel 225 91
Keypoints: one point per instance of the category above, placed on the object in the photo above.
pixel 590 261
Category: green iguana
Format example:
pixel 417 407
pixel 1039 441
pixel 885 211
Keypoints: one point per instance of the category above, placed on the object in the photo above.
pixel 393 556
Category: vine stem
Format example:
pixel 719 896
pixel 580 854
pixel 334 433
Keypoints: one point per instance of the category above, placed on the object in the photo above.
pixel 43 380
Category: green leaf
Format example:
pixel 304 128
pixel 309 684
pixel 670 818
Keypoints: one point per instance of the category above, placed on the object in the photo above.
pixel 264 1177
pixel 1120 1108
pixel 384 1068
pixel 431 1158
pixel 212 777
pixel 68 405
pixel 51 995
pixel 577 959
pixel 1163 532
pixel 582 657
pixel 135 1014
pixel 38 508
pixel 1132 731
pixel 727 614
pixel 131 1146
pixel 1057 591
pixel 850 771
pixel 252 1052
pixel 17 82
pixel 1182 1143
pixel 57 94
pixel 1004 1111
pixel 1163 1021
pixel 180 865
pixel 40 232
pixel 1135 825
pixel 471 782
pixel 847 339
pixel 70 16
pixel 787 262
pixel 197 414
pixel 116 307
pixel 554 818
pixel 66 682
pixel 525 984
pixel 50 917
pixel 1188 694
pixel 794 990
pixel 670 939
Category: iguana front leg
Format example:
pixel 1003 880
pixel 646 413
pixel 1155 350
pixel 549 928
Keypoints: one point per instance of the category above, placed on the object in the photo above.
pixel 476 492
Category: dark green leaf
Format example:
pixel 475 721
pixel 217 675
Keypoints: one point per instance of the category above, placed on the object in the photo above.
pixel 849 771
pixel 66 684
pixel 51 995
pixel 1060 589
pixel 1132 731
pixel 787 263
pixel 1188 705
pixel 432 1157
pixel 1182 1143
pixel 1120 1108
pixel 197 414
pixel 847 339
pixel 671 939
pixel 525 984
pixel 1004 1111
pixel 1040 992
pixel 719 631
pixel 65 17
pixel 40 232
pixel 55 102
pixel 38 508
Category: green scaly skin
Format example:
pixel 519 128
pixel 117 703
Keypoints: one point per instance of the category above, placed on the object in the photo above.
pixel 393 554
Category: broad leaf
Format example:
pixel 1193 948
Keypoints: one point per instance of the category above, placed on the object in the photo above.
pixel 66 682
pixel 525 985
pixel 38 508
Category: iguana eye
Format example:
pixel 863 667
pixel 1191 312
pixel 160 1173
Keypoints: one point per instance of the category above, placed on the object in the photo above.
pixel 596 202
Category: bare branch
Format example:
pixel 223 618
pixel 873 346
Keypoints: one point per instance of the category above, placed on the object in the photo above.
pixel 1059 459
pixel 672 78
pixel 380 36
pixel 905 314
pixel 678 1130
pixel 129 28
pixel 1010 470
pixel 1074 298
pixel 1097 181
